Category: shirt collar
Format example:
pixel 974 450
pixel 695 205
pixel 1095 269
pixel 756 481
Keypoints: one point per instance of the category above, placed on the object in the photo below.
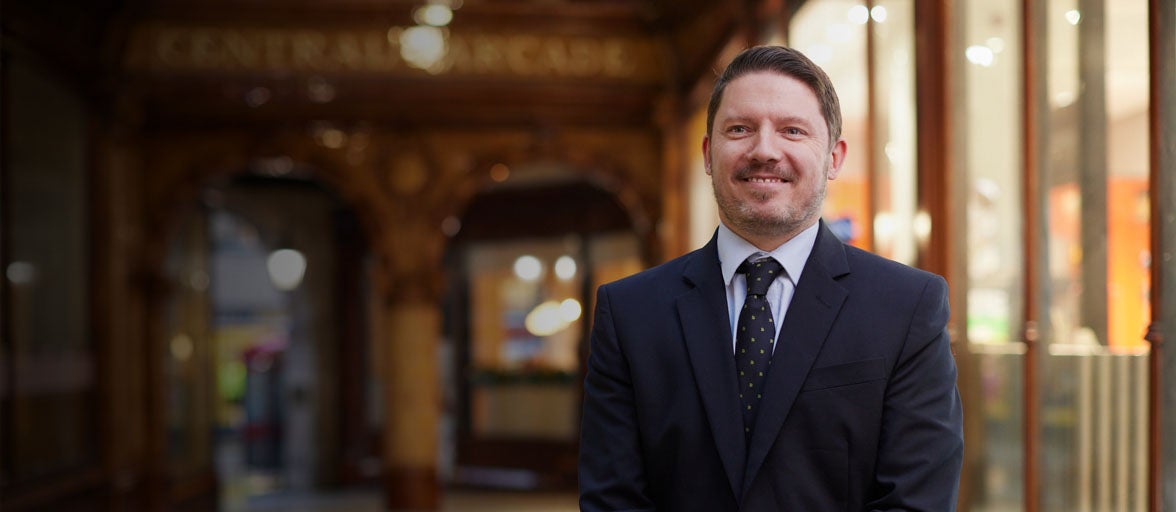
pixel 793 254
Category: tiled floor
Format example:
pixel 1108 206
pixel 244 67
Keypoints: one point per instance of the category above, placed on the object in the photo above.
pixel 454 501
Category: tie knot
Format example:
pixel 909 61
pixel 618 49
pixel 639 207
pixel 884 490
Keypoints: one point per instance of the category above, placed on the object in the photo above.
pixel 760 274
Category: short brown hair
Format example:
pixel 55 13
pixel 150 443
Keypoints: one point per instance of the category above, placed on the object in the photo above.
pixel 788 62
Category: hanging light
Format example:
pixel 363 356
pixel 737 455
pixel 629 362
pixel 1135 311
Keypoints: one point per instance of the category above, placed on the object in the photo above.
pixel 859 14
pixel 424 47
pixel 435 15
pixel 286 268
pixel 565 268
pixel 528 268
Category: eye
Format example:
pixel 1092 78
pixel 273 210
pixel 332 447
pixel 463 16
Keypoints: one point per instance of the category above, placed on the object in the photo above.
pixel 793 131
pixel 738 129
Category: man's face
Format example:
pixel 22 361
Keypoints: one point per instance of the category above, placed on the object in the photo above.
pixel 769 156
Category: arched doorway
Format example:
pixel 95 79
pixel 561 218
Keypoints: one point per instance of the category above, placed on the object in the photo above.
pixel 268 390
pixel 523 265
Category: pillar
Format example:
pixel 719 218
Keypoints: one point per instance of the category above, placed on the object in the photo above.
pixel 411 328
pixel 411 406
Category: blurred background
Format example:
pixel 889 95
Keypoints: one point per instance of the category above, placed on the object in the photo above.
pixel 310 255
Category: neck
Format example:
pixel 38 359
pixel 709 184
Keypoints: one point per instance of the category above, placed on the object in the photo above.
pixel 768 241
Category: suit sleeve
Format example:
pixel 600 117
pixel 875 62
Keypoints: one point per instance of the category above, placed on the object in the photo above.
pixel 612 473
pixel 922 444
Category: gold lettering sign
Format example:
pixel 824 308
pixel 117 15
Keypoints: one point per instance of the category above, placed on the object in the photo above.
pixel 168 48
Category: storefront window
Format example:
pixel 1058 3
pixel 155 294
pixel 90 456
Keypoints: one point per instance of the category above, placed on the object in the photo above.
pixel 527 317
pixel 989 59
pixel 1094 393
pixel 520 304
pixel 1128 224
pixel 48 372
pixel 993 161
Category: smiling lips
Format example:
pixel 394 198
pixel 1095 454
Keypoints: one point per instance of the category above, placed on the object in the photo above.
pixel 763 174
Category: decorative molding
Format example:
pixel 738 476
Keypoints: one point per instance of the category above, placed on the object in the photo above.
pixel 402 186
pixel 157 47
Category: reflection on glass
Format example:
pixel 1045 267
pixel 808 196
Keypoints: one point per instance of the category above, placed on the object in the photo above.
pixel 1064 199
pixel 1094 390
pixel 993 162
pixel 989 58
pixel 897 226
pixel 1128 225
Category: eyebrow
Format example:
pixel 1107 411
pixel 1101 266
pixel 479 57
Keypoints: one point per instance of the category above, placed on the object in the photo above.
pixel 786 119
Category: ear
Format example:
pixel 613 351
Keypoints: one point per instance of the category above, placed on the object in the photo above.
pixel 706 161
pixel 837 159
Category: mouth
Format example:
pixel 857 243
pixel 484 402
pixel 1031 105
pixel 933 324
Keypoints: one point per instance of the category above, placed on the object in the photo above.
pixel 763 175
pixel 765 179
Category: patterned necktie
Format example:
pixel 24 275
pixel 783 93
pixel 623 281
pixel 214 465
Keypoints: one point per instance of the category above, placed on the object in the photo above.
pixel 754 337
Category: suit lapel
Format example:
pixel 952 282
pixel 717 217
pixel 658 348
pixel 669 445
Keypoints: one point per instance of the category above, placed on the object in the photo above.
pixel 707 331
pixel 814 307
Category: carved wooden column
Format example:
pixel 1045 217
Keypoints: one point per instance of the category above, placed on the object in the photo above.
pixel 412 399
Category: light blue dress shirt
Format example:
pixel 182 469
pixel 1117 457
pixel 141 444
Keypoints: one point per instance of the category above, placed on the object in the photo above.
pixel 793 254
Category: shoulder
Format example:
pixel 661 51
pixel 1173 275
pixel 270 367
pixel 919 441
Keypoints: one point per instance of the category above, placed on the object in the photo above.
pixel 886 273
pixel 891 293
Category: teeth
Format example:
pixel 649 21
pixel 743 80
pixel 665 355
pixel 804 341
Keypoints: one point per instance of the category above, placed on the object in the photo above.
pixel 765 180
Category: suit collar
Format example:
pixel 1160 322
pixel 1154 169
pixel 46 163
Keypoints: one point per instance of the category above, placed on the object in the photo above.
pixel 703 314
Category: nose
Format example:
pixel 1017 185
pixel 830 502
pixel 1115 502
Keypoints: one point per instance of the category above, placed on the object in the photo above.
pixel 765 147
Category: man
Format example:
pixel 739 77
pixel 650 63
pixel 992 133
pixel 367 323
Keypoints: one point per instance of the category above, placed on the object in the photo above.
pixel 693 403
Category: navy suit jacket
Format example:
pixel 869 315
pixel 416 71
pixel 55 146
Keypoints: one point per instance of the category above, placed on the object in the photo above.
pixel 860 409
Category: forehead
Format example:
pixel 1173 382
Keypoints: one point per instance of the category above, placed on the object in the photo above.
pixel 769 92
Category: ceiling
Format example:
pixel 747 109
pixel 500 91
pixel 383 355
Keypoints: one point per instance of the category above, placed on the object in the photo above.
pixel 94 44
